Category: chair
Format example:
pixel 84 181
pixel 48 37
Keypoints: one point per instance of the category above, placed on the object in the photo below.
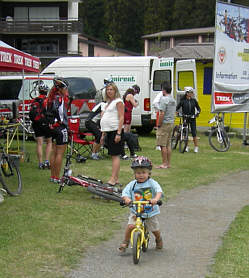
pixel 81 142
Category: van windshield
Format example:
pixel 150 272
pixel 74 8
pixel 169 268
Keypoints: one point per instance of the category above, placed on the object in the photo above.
pixel 81 87
pixel 11 89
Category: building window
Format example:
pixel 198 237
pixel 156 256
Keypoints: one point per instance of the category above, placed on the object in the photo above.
pixel 207 83
pixel 90 50
pixel 36 13
pixel 40 46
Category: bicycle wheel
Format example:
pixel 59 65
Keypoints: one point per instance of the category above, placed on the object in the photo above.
pixel 219 142
pixel 10 176
pixel 175 137
pixel 184 140
pixel 136 248
pixel 146 239
pixel 105 193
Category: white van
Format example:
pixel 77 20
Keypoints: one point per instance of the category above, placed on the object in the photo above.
pixel 19 89
pixel 147 72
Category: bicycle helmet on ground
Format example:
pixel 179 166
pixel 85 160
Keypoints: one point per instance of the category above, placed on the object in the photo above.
pixel 136 89
pixel 60 83
pixel 141 162
pixel 43 88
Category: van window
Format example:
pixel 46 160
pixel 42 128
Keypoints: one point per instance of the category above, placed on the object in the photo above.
pixel 81 87
pixel 185 79
pixel 9 89
pixel 159 77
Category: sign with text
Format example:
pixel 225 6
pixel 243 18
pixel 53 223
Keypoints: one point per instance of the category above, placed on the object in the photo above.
pixel 231 60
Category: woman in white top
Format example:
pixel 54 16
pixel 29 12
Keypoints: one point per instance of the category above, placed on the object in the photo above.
pixel 111 124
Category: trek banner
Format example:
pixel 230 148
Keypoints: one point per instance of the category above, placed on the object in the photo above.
pixel 231 61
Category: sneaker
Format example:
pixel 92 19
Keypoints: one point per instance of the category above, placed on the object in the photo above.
pixel 158 148
pixel 41 166
pixel 55 180
pixel 95 156
pixel 134 156
pixel 196 149
pixel 187 149
pixel 46 165
pixel 125 157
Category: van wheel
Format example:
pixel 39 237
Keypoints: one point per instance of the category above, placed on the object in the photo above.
pixel 142 130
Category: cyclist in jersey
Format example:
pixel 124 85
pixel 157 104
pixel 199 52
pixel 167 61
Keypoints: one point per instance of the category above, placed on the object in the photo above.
pixel 190 106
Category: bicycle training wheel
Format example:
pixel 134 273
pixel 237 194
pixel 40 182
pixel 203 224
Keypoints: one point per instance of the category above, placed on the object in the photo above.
pixel 105 193
pixel 219 143
pixel 10 176
pixel 136 248
pixel 183 141
pixel 175 137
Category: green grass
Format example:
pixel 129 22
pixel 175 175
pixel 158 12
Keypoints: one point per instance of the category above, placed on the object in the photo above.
pixel 44 234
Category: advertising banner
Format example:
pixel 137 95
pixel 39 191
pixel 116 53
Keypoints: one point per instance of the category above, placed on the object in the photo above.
pixel 231 61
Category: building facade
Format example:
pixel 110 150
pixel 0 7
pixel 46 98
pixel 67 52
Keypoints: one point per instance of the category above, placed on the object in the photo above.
pixel 47 29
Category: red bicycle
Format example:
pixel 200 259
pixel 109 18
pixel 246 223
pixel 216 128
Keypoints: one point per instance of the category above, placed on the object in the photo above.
pixel 93 185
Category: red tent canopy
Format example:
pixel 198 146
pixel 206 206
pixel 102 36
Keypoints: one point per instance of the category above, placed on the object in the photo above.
pixel 12 59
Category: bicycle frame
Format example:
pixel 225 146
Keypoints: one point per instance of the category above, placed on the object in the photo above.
pixel 139 226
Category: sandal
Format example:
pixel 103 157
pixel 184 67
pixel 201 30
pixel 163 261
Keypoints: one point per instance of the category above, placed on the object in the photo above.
pixel 123 246
pixel 159 243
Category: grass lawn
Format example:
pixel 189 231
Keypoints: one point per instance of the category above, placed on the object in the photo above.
pixel 44 234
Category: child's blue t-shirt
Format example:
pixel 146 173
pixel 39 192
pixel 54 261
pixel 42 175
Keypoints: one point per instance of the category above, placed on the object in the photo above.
pixel 143 192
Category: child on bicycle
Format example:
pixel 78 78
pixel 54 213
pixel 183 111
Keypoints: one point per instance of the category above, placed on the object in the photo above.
pixel 143 188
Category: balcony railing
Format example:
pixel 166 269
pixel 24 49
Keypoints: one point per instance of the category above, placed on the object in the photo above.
pixel 59 26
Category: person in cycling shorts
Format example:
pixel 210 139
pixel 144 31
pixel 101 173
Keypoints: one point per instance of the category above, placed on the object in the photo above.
pixel 57 104
pixel 42 131
pixel 190 106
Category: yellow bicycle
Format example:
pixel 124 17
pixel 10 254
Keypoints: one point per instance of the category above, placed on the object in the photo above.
pixel 140 235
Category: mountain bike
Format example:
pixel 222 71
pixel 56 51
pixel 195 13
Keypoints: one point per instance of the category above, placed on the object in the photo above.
pixel 93 185
pixel 140 235
pixel 180 133
pixel 218 138
pixel 10 176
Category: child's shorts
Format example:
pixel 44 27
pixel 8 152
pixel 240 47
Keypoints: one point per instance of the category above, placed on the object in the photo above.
pixel 152 223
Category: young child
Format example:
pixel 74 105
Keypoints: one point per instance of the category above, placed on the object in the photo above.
pixel 143 188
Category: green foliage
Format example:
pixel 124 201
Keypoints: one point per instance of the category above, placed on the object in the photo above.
pixel 127 21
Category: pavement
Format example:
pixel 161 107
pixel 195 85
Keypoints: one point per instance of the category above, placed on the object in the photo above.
pixel 192 225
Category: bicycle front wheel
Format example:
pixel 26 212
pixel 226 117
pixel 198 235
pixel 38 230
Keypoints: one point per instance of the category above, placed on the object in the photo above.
pixel 105 193
pixel 137 245
pixel 219 140
pixel 175 137
pixel 183 141
pixel 10 176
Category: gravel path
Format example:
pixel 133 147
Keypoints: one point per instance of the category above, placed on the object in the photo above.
pixel 192 225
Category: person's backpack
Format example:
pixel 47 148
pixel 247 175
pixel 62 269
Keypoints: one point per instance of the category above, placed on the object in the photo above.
pixel 39 113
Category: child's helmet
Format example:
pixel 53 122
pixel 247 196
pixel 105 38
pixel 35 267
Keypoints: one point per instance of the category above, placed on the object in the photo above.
pixel 136 89
pixel 60 83
pixel 141 162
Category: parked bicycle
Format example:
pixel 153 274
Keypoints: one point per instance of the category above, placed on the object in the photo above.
pixel 218 138
pixel 93 185
pixel 140 235
pixel 180 133
pixel 10 176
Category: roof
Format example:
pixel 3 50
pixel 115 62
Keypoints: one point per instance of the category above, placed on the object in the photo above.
pixel 174 33
pixel 198 51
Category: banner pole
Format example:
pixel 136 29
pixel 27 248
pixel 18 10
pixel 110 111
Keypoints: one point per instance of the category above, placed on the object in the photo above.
pixel 244 130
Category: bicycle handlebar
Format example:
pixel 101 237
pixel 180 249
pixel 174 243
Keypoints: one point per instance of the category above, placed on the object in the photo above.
pixel 122 203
